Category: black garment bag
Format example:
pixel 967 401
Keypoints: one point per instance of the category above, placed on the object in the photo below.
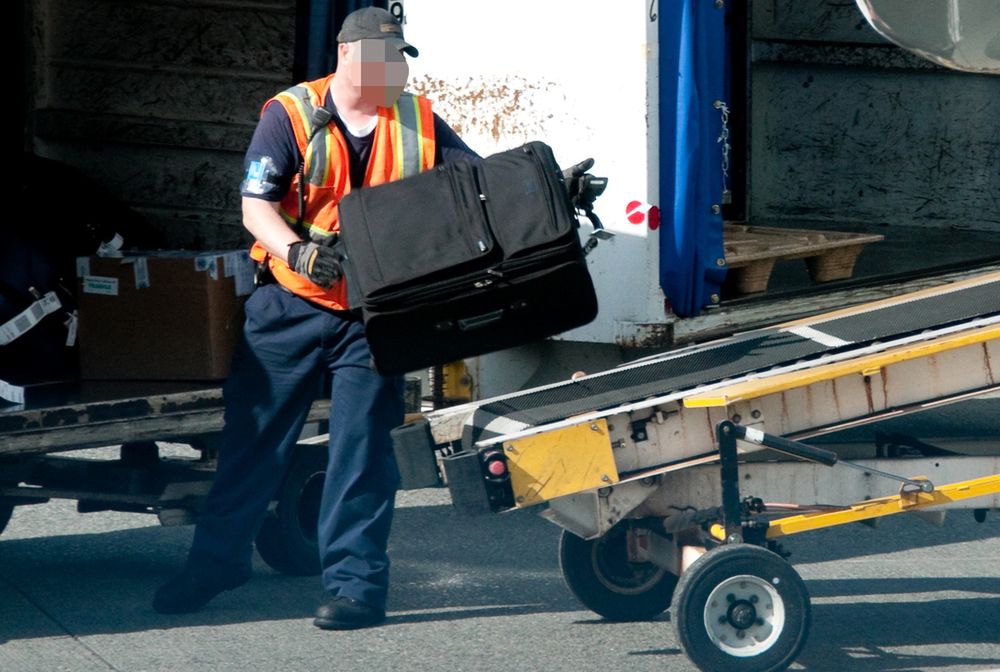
pixel 464 259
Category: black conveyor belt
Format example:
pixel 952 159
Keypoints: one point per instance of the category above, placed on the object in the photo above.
pixel 738 356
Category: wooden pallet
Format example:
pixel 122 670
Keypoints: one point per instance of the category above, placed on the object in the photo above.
pixel 751 252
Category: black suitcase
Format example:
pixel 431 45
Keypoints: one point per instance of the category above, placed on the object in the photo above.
pixel 465 259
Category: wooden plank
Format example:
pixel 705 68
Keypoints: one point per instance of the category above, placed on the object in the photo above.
pixel 80 426
pixel 751 252
pixel 785 243
pixel 92 435
pixel 833 265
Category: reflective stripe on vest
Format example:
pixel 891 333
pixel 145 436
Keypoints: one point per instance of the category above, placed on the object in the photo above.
pixel 409 150
pixel 305 101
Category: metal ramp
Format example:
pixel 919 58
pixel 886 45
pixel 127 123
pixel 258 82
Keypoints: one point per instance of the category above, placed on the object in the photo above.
pixel 625 461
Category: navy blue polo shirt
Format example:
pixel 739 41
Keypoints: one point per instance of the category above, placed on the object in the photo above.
pixel 272 159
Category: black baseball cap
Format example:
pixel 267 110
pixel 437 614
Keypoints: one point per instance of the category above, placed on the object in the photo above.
pixel 375 23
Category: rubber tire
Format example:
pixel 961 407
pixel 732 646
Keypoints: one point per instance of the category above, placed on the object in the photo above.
pixel 715 567
pixel 584 564
pixel 6 509
pixel 287 538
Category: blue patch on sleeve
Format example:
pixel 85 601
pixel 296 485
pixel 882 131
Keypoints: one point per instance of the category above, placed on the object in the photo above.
pixel 257 181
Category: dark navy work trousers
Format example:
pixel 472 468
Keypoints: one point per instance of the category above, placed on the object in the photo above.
pixel 288 344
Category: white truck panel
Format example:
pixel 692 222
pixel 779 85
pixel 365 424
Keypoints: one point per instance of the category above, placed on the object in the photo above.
pixel 583 79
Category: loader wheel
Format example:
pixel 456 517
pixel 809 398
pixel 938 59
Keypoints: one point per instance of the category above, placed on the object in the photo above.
pixel 6 509
pixel 741 608
pixel 287 538
pixel 599 574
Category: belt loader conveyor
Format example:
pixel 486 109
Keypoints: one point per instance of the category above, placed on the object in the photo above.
pixel 624 461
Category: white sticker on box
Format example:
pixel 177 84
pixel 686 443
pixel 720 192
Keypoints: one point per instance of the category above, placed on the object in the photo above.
pixel 71 326
pixel 11 393
pixel 242 288
pixel 82 266
pixel 243 272
pixel 141 270
pixel 111 248
pixel 231 261
pixel 210 264
pixel 100 284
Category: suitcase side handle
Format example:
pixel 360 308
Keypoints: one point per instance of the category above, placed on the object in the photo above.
pixel 480 321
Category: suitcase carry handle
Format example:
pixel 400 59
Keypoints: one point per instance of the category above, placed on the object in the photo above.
pixel 480 321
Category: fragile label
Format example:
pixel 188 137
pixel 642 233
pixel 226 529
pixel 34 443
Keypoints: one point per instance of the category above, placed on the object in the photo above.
pixel 99 284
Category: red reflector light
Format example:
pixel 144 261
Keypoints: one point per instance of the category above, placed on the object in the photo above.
pixel 496 467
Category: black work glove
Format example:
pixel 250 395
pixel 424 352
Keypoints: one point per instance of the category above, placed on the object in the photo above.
pixel 573 177
pixel 318 262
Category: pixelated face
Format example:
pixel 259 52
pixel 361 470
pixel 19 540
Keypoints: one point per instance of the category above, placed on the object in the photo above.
pixel 380 70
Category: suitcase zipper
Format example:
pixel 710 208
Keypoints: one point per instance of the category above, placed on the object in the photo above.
pixel 546 183
pixel 504 272
pixel 485 242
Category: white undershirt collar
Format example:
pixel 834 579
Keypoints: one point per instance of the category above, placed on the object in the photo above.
pixel 361 131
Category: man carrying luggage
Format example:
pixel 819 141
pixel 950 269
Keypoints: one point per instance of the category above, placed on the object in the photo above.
pixel 355 129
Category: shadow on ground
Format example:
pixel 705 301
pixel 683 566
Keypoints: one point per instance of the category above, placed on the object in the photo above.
pixel 445 567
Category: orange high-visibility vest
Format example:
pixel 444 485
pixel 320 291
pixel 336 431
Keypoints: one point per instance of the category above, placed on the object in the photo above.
pixel 403 146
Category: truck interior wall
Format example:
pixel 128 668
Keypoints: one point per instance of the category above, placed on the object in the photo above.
pixel 848 129
pixel 157 100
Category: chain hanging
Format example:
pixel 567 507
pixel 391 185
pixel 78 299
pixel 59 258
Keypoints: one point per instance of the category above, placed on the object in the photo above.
pixel 727 195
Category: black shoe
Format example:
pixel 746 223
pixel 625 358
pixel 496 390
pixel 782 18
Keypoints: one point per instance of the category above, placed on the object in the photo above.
pixel 190 591
pixel 345 613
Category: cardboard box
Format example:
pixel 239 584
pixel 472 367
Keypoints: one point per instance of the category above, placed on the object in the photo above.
pixel 161 315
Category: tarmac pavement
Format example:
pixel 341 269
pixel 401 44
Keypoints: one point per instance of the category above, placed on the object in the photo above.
pixel 473 594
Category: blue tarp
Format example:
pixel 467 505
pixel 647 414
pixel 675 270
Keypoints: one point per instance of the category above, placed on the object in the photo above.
pixel 694 57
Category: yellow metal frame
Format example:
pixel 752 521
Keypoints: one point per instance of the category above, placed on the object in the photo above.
pixel 866 365
pixel 876 508
pixel 561 462
pixel 456 382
